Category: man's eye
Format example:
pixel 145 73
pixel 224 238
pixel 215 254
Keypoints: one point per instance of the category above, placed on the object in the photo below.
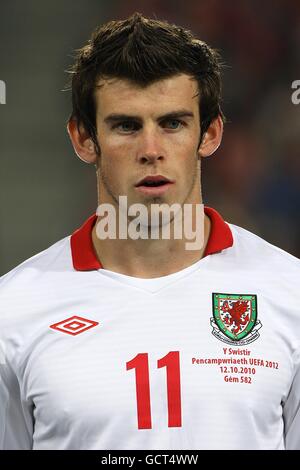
pixel 173 123
pixel 126 126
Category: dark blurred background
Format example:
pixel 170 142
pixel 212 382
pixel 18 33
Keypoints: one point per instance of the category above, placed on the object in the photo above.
pixel 253 179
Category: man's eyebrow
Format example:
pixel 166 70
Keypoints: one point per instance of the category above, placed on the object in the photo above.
pixel 111 118
pixel 177 114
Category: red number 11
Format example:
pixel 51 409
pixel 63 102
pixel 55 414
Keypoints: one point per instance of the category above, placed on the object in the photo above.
pixel 141 365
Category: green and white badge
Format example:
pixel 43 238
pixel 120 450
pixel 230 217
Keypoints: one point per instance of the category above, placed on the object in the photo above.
pixel 235 318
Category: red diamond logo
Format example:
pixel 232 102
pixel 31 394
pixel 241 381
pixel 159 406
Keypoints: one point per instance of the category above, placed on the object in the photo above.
pixel 74 325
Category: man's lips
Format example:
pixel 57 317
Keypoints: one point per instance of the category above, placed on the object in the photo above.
pixel 153 180
pixel 154 190
pixel 154 185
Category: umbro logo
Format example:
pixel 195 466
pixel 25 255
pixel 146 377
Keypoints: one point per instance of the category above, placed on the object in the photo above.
pixel 74 325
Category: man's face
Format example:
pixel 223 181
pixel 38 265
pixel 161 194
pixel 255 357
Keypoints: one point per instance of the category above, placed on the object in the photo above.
pixel 146 132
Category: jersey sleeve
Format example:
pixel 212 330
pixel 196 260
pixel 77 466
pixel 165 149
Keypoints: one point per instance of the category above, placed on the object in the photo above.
pixel 291 411
pixel 16 423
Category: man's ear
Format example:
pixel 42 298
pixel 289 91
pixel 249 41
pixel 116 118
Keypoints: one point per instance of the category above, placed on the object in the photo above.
pixel 82 142
pixel 212 138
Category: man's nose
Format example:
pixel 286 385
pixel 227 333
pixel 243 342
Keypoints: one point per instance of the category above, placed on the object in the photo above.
pixel 150 148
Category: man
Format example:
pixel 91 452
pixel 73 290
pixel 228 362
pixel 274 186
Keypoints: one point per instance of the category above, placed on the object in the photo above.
pixel 119 342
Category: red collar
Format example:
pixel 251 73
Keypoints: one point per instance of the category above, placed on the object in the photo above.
pixel 85 258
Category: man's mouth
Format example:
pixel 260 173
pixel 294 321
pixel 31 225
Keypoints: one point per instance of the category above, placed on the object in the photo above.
pixel 154 185
pixel 152 181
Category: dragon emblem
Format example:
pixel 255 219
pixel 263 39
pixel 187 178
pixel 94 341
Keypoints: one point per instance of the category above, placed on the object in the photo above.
pixel 235 317
pixel 234 314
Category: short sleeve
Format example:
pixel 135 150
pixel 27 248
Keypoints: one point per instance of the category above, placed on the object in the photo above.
pixel 291 410
pixel 16 423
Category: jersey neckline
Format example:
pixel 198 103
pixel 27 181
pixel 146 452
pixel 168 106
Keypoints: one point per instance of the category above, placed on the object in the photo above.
pixel 85 259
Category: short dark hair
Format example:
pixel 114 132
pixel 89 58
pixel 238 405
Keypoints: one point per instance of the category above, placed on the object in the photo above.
pixel 144 50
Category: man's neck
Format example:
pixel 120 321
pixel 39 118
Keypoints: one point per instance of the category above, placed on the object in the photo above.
pixel 148 258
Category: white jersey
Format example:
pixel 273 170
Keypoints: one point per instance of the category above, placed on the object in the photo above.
pixel 205 358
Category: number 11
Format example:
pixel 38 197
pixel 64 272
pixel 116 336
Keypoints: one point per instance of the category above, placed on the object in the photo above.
pixel 141 365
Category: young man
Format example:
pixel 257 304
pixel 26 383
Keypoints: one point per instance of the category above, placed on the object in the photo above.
pixel 138 342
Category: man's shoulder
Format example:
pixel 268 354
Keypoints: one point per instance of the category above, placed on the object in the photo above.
pixel 257 250
pixel 26 291
pixel 56 258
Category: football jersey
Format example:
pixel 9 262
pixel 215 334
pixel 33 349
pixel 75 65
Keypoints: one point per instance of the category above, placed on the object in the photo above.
pixel 204 358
